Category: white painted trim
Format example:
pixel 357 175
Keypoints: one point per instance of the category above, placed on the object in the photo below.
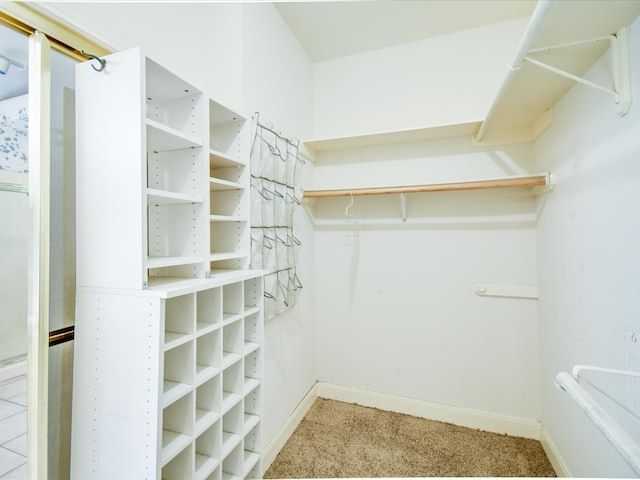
pixel 464 417
pixel 14 369
pixel 288 427
pixel 553 455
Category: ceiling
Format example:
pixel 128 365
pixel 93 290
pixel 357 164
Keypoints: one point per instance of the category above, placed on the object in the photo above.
pixel 328 30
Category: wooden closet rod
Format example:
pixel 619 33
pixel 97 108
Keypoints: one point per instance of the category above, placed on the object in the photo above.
pixel 528 181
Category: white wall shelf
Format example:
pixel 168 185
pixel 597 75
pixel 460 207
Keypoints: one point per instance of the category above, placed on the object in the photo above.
pixel 556 36
pixel 522 110
pixel 396 136
pixel 162 138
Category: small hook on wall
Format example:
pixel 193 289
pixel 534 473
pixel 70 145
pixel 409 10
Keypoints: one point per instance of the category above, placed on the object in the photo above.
pixel 102 61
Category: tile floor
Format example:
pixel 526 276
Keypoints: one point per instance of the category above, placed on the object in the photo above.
pixel 13 428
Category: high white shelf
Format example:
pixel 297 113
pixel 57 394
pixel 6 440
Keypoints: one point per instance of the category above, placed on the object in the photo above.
pixel 567 35
pixel 169 319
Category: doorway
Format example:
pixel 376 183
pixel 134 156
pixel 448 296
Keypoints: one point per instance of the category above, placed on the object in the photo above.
pixel 37 283
pixel 14 236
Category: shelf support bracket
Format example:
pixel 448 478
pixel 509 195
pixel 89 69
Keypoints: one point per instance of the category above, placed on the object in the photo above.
pixel 621 90
pixel 403 206
pixel 573 77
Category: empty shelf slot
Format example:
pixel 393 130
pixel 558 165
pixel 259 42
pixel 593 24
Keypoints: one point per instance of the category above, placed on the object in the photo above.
pixel 205 465
pixel 164 197
pixel 250 461
pixel 172 444
pixel 250 421
pixel 204 419
pixel 218 184
pixel 229 442
pixel 205 372
pixel 250 384
pixel 163 138
pixel 172 339
pixel 218 159
pixel 173 391
pixel 229 400
pixel 250 347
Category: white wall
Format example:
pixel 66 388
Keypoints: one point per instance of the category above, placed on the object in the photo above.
pixel 396 308
pixel 277 83
pixel 589 263
pixel 447 79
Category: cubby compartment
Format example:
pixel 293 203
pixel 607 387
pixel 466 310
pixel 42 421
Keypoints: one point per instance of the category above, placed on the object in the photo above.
pixel 232 301
pixel 252 371
pixel 175 174
pixel 233 464
pixel 184 115
pixel 229 238
pixel 178 372
pixel 175 234
pixel 252 447
pixel 226 131
pixel 227 170
pixel 253 401
pixel 216 474
pixel 173 102
pixel 177 427
pixel 181 466
pixel 208 356
pixel 208 403
pixel 232 429
pixel 253 295
pixel 209 310
pixel 218 159
pixel 255 472
pixel 232 386
pixel 227 202
pixel 251 432
pixel 178 321
pixel 252 332
pixel 232 342
pixel 208 451
pixel 164 270
pixel 227 264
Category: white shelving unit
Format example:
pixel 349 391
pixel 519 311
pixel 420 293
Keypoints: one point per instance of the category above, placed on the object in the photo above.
pixel 169 326
pixel 228 189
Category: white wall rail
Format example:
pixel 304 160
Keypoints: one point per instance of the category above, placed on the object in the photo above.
pixel 622 441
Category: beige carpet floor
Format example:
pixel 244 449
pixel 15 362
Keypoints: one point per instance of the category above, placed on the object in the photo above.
pixel 341 440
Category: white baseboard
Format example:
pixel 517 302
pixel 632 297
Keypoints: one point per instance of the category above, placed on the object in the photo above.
pixel 12 370
pixel 286 430
pixel 554 457
pixel 464 417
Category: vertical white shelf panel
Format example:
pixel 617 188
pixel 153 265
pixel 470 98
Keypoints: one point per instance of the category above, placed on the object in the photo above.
pixel 110 146
pixel 117 387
